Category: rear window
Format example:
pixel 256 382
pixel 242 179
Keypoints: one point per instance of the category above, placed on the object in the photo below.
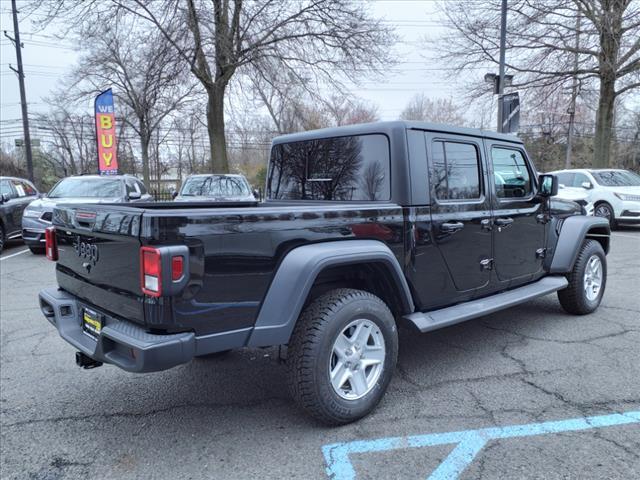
pixel 215 186
pixel 352 168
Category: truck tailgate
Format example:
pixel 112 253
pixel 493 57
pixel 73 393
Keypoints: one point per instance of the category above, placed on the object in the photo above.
pixel 98 257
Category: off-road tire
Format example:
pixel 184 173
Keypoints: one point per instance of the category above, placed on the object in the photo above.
pixel 574 298
pixel 311 346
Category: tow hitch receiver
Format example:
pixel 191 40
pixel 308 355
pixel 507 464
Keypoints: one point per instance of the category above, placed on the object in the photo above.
pixel 86 362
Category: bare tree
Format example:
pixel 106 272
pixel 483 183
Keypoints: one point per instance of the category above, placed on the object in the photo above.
pixel 439 110
pixel 141 66
pixel 314 41
pixel 543 39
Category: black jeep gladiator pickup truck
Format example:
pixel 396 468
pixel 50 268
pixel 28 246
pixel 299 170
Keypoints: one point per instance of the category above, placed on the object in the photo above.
pixel 364 227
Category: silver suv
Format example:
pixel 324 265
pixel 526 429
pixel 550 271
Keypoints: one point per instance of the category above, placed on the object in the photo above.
pixel 78 189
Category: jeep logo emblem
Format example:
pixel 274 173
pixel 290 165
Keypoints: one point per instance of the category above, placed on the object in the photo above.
pixel 86 250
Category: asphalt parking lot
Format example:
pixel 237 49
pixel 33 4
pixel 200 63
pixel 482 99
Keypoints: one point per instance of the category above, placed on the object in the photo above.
pixel 531 366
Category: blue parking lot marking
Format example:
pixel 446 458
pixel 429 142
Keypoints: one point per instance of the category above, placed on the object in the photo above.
pixel 468 443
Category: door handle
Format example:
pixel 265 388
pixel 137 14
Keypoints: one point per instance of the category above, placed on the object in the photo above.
pixel 451 226
pixel 503 222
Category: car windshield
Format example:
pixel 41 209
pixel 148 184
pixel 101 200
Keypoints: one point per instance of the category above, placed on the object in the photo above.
pixel 617 178
pixel 87 187
pixel 216 187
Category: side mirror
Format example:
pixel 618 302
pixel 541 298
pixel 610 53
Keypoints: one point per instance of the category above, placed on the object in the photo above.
pixel 174 194
pixel 586 185
pixel 135 196
pixel 548 185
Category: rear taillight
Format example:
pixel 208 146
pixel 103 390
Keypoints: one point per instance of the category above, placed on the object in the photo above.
pixel 51 244
pixel 151 271
pixel 164 271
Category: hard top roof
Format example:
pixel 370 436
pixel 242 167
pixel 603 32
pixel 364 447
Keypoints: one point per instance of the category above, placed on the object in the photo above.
pixel 391 126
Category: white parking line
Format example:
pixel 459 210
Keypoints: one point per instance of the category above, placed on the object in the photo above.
pixel 14 254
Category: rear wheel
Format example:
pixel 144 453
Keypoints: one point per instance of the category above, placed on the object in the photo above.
pixel 587 280
pixel 342 355
pixel 604 210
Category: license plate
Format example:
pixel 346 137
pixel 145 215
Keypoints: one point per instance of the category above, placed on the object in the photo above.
pixel 91 322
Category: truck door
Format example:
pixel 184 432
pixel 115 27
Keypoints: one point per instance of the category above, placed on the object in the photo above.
pixel 460 209
pixel 519 222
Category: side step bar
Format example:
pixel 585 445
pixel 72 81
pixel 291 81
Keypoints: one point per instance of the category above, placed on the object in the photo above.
pixel 427 321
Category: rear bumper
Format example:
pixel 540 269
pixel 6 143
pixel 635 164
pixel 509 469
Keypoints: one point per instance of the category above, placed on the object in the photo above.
pixel 127 345
pixel 120 343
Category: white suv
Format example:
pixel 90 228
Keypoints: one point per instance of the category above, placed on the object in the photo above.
pixel 614 193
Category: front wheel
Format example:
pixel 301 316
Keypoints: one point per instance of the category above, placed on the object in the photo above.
pixel 587 280
pixel 342 354
pixel 605 210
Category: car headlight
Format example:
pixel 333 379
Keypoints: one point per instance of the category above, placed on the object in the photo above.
pixel 29 212
pixel 625 197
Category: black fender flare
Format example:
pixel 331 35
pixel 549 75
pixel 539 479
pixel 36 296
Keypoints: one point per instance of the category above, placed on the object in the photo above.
pixel 296 275
pixel 573 231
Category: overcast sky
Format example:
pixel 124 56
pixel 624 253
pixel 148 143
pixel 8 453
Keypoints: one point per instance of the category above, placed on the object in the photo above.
pixel 46 59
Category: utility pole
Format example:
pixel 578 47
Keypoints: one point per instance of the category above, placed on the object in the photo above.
pixel 23 95
pixel 503 41
pixel 574 94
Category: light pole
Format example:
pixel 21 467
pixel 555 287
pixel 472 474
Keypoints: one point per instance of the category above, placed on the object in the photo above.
pixel 503 40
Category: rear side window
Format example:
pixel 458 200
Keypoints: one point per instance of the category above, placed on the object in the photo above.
pixel 510 172
pixel 352 168
pixel 455 171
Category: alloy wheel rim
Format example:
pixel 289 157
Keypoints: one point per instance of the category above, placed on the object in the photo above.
pixel 603 211
pixel 593 278
pixel 357 359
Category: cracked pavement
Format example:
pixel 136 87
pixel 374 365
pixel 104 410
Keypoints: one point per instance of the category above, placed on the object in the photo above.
pixel 231 417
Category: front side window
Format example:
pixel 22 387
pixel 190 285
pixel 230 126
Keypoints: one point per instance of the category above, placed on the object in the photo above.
pixel 580 179
pixel 511 175
pixel 78 187
pixel 352 168
pixel 131 187
pixel 5 189
pixel 19 188
pixel 141 187
pixel 565 178
pixel 455 171
pixel 29 189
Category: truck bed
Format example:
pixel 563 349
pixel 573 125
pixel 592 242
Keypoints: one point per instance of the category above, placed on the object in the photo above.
pixel 234 251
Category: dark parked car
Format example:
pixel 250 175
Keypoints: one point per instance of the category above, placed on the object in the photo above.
pixel 216 188
pixel 15 195
pixel 365 227
pixel 85 189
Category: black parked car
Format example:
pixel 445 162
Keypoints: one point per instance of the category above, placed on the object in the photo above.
pixel 365 228
pixel 15 195
pixel 86 189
